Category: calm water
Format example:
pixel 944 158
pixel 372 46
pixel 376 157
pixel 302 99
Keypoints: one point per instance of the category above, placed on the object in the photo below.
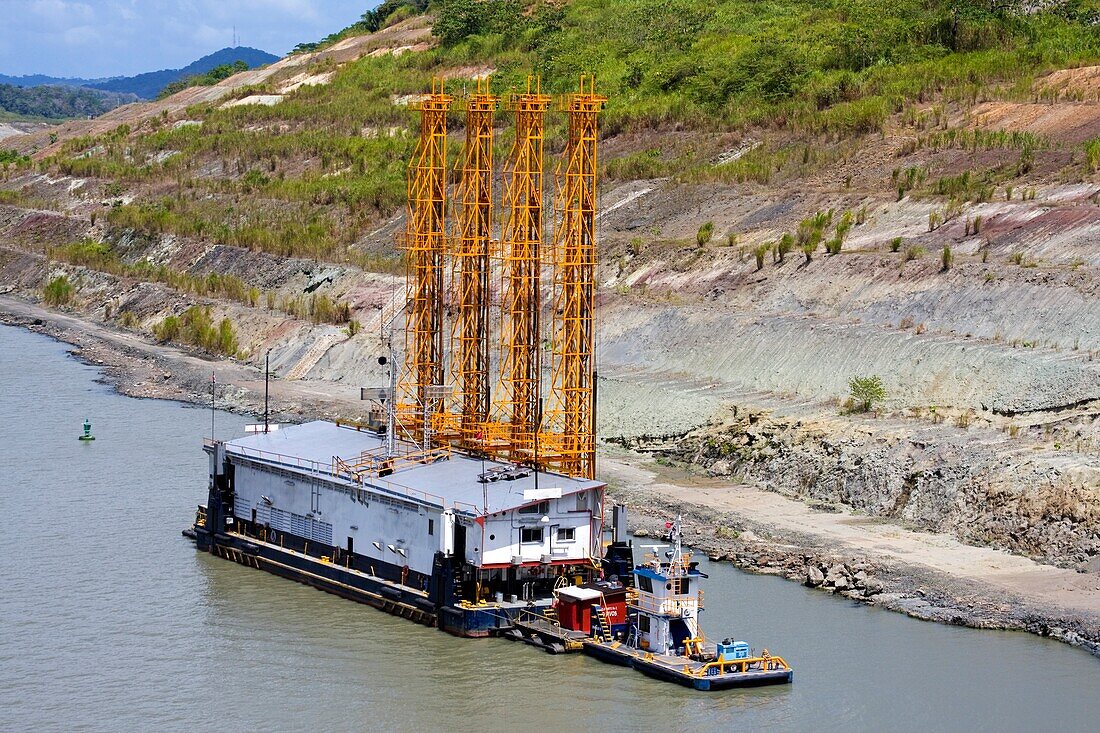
pixel 109 620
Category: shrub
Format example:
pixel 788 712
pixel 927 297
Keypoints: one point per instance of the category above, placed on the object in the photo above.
pixel 1092 154
pixel 168 329
pixel 760 251
pixel 58 291
pixel 865 392
pixel 783 247
pixel 705 233
pixel 947 257
pixel 895 244
pixel 226 338
pixel 914 252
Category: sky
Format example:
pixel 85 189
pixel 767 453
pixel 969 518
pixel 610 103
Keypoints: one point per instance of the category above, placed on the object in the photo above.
pixel 100 38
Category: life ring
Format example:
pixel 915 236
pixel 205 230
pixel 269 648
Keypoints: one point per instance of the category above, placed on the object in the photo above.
pixel 272 536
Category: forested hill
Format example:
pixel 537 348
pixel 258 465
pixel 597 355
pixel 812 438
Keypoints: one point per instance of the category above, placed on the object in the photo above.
pixel 57 102
pixel 150 84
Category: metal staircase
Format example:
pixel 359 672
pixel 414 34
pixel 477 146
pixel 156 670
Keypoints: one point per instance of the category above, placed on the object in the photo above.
pixel 603 633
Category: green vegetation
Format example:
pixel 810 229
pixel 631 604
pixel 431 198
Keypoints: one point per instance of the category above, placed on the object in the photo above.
pixel 209 79
pixel 811 231
pixel 196 328
pixel 13 157
pixel 865 392
pixel 58 291
pixel 947 258
pixel 386 14
pixel 913 252
pixel 705 234
pixel 310 176
pixel 1092 155
pixel 319 308
pixel 760 251
pixel 57 102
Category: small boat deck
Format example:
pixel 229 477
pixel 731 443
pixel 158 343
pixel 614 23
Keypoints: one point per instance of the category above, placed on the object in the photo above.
pixel 709 675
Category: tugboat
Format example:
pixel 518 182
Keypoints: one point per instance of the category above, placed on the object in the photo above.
pixel 662 638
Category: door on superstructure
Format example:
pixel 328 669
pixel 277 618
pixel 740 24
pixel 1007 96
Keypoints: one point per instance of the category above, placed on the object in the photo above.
pixel 460 541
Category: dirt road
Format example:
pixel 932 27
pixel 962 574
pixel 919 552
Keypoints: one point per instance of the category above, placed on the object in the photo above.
pixel 778 516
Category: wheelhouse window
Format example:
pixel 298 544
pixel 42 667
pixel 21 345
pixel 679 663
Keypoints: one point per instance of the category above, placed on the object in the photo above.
pixel 530 535
pixel 643 623
pixel 566 534
pixel 645 583
pixel 543 507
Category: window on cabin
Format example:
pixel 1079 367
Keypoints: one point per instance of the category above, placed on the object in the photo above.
pixel 543 507
pixel 431 526
pixel 529 535
pixel 643 622
pixel 566 534
pixel 646 584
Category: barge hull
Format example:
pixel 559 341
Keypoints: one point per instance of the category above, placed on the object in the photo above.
pixel 325 576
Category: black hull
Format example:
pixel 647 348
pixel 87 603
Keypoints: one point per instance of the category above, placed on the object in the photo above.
pixel 385 595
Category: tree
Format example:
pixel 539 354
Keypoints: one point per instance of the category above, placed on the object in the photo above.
pixel 866 391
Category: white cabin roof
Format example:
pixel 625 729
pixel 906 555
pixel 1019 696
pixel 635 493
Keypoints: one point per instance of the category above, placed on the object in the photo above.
pixel 450 483
pixel 579 594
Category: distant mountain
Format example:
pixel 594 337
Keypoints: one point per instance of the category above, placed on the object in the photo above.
pixel 55 102
pixel 149 84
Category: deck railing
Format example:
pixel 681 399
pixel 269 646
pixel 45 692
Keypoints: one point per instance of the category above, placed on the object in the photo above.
pixel 673 605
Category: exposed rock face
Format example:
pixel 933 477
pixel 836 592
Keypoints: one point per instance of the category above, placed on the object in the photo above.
pixel 981 486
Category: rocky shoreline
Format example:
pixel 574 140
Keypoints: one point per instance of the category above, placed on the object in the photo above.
pixel 914 591
pixel 138 368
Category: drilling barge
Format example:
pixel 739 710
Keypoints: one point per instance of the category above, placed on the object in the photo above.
pixel 461 509
pixel 440 537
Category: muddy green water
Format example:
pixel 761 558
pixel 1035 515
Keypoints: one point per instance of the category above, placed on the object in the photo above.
pixel 110 621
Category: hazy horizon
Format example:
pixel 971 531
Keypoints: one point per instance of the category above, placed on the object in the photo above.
pixel 106 38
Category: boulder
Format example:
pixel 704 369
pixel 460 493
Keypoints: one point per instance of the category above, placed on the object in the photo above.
pixel 814 576
pixel 873 586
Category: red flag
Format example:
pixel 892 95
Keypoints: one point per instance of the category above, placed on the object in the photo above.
pixel 668 525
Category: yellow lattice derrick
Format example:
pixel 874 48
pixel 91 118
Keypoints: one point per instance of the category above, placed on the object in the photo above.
pixel 571 417
pixel 470 278
pixel 518 403
pixel 423 242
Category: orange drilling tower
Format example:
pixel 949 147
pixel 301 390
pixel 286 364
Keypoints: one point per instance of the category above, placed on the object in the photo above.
pixel 520 365
pixel 470 337
pixel 420 393
pixel 571 426
pixel 511 426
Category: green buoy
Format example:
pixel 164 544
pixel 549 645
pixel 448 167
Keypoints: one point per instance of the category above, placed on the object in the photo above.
pixel 87 431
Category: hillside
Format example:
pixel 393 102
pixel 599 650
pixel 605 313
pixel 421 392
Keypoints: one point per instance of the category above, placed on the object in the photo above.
pixel 150 84
pixel 57 103
pixel 909 191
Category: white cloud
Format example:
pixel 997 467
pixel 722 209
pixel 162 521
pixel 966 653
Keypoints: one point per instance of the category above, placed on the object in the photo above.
pixel 59 13
pixel 80 35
